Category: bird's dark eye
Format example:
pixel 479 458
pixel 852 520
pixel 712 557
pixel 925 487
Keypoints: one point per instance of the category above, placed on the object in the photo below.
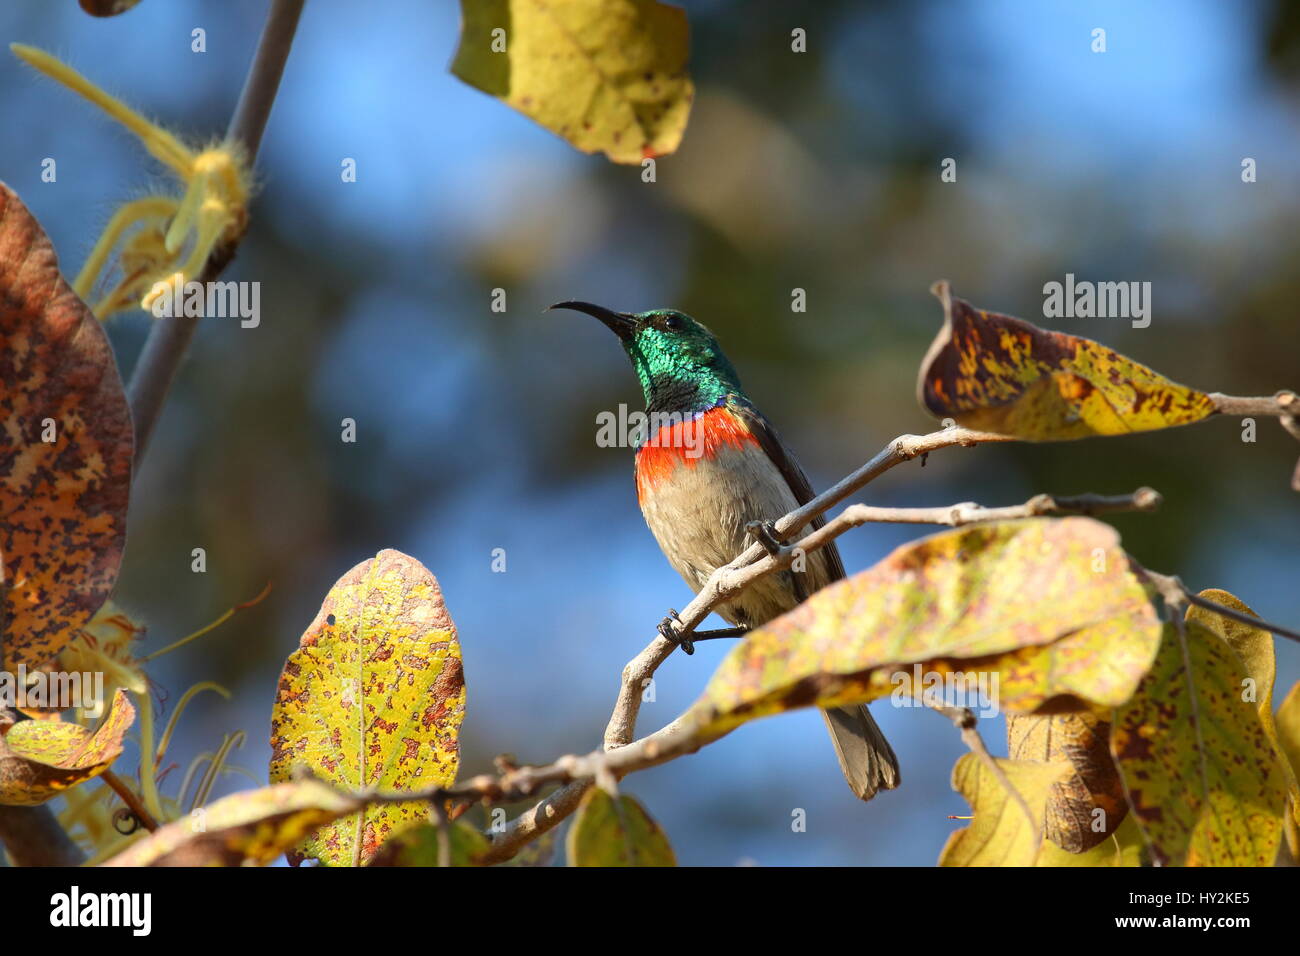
pixel 674 323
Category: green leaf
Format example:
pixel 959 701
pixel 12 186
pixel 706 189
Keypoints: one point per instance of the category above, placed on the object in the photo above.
pixel 418 846
pixel 606 832
pixel 607 75
pixel 1000 374
pixel 1199 769
pixel 1050 608
pixel 373 698
pixel 39 759
pixel 253 826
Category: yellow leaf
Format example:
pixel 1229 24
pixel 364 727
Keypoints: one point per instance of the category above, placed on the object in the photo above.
pixel 606 832
pixel 39 759
pixel 1200 772
pixel 254 826
pixel 1000 834
pixel 1043 611
pixel 1288 732
pixel 1288 727
pixel 1254 646
pixel 373 697
pixel 607 75
pixel 1072 819
pixel 1000 374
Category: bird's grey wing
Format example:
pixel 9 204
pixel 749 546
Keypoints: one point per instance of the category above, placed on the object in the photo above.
pixel 771 443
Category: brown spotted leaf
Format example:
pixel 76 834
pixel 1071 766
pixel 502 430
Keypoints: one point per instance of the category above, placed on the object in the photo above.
pixel 65 464
pixel 1254 646
pixel 609 831
pixel 418 845
pixel 1046 612
pixel 39 759
pixel 1085 807
pixel 251 827
pixel 373 697
pixel 1200 772
pixel 996 373
pixel 607 75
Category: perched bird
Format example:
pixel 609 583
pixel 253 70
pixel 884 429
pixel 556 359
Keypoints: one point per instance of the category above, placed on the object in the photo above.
pixel 712 470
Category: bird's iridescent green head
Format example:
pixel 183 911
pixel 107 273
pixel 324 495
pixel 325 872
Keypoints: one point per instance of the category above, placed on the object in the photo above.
pixel 678 361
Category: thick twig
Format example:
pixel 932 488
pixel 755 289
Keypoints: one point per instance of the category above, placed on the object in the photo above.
pixel 169 339
pixel 1284 404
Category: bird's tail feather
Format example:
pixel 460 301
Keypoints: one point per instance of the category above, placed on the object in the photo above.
pixel 865 756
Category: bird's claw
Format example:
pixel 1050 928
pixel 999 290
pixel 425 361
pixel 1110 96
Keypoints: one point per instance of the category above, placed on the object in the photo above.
pixel 764 532
pixel 669 633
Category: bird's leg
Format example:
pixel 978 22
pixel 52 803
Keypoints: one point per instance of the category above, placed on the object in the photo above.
pixel 720 632
pixel 687 641
pixel 764 532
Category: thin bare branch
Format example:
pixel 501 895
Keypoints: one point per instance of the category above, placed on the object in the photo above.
pixel 964 719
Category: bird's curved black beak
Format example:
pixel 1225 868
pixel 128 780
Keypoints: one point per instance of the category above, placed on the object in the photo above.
pixel 621 324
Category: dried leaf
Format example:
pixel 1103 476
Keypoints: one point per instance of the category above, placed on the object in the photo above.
pixel 607 75
pixel 417 845
pixel 995 373
pixel 374 697
pixel 1050 608
pixel 39 759
pixel 1000 834
pixel 1083 741
pixel 609 832
pixel 66 473
pixel 251 827
pixel 1123 848
pixel 1200 772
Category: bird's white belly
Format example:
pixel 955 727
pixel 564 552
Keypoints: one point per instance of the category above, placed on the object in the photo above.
pixel 698 515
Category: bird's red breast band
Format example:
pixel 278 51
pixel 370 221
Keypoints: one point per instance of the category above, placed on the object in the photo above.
pixel 687 443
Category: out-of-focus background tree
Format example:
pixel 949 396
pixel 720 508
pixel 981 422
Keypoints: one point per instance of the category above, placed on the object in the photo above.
pixel 476 430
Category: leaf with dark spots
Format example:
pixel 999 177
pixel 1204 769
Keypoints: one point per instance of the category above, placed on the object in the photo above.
pixel 355 700
pixel 995 373
pixel 39 759
pixel 1050 609
pixel 250 827
pixel 1202 776
pixel 66 475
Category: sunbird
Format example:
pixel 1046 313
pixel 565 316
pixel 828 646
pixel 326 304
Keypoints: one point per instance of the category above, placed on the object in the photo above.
pixel 713 474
